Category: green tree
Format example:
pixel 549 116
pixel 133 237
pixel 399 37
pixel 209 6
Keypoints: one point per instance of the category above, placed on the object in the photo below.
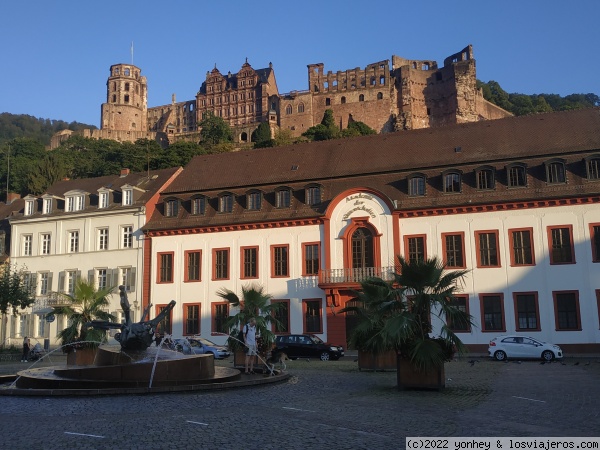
pixel 86 304
pixel 326 130
pixel 254 303
pixel 15 291
pixel 358 128
pixel 262 136
pixel 283 136
pixel 46 172
pixel 214 130
pixel 396 315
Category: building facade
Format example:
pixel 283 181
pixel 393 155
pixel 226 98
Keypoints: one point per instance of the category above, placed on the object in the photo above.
pixel 87 228
pixel 514 201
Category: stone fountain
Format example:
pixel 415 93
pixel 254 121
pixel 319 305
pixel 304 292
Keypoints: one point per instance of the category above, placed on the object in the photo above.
pixel 132 367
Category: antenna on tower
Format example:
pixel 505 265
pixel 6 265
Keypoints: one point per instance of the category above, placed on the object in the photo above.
pixel 132 53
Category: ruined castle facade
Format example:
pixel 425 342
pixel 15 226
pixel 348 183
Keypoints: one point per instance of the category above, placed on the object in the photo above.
pixel 409 94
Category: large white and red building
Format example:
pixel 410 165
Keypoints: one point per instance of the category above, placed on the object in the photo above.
pixel 515 201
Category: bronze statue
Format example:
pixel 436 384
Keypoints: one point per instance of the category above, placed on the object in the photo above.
pixel 133 336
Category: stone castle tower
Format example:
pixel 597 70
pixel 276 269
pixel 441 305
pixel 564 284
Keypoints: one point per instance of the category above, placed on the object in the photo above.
pixel 126 107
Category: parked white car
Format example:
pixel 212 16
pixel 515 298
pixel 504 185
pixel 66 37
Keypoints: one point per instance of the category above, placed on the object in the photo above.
pixel 503 347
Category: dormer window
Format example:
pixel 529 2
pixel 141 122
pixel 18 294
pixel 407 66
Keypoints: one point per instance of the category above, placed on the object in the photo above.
pixel 452 182
pixel 226 203
pixel 29 207
pixel 171 207
pixel 416 185
pixel 592 167
pixel 253 200
pixel 282 198
pixel 127 197
pixel 47 206
pixel 484 177
pixel 75 202
pixel 199 206
pixel 103 200
pixel 555 172
pixel 313 195
pixel 516 175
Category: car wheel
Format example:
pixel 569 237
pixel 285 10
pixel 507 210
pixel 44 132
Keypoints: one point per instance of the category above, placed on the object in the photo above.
pixel 500 355
pixel 324 356
pixel 211 353
pixel 547 355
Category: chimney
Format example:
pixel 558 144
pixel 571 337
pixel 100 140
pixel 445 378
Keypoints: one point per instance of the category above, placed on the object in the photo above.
pixel 124 172
pixel 11 197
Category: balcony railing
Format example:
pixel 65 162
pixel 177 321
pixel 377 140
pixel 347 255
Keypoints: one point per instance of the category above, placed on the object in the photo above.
pixel 333 276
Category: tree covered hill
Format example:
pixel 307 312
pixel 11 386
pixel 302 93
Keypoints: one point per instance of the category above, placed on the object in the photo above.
pixel 522 104
pixel 14 126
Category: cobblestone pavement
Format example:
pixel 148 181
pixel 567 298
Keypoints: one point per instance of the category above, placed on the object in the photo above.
pixel 329 405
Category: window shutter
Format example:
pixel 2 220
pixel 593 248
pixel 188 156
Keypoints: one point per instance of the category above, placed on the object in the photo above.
pixel 91 277
pixel 109 278
pixel 61 281
pixel 78 275
pixel 50 282
pixel 131 281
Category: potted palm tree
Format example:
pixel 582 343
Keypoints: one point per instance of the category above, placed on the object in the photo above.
pixel 397 316
pixel 254 303
pixel 84 305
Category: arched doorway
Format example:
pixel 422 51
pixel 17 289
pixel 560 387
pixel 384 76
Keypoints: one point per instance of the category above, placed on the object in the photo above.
pixel 362 249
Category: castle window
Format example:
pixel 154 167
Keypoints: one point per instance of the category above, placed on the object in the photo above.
pixel 114 98
pixel 127 87
pixel 379 96
pixel 327 102
pixel 316 88
pixel 381 79
pixel 127 72
pixel 516 175
pixel 301 108
pixel 451 182
pixel 334 83
pixel 416 186
pixel 126 99
pixel 555 172
pixel 288 109
pixel 361 98
pixel 592 167
pixel 372 81
pixel 362 81
pixel 117 71
pixel 114 86
pixel 484 178
pixel 343 100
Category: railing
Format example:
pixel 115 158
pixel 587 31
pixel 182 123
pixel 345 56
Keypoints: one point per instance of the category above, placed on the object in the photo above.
pixel 355 275
pixel 54 300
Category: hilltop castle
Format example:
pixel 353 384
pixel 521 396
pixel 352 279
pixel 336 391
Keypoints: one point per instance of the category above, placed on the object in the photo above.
pixel 409 94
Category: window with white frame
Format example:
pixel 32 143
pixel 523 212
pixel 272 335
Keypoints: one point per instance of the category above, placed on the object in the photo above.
pixel 70 280
pixel 127 236
pixel 27 244
pixel 46 241
pixel 73 244
pixel 103 200
pixel 127 278
pixel 102 238
pixel 47 206
pixel 127 197
pixel 75 203
pixel 28 207
pixel 102 278
pixel 41 326
pixel 44 283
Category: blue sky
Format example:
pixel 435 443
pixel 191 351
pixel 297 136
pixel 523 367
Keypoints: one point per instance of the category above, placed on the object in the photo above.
pixel 56 55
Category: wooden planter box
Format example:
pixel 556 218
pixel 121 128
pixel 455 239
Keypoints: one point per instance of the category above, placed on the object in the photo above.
pixel 239 361
pixel 81 357
pixel 377 361
pixel 410 378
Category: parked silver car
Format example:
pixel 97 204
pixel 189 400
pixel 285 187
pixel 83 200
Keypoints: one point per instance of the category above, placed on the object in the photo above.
pixel 201 346
pixel 503 347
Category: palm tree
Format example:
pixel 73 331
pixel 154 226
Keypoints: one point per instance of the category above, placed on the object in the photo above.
pixel 255 303
pixel 86 304
pixel 397 315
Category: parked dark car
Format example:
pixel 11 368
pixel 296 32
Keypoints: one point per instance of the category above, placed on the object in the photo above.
pixel 308 346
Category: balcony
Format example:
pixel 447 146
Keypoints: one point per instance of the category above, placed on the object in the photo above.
pixel 354 276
